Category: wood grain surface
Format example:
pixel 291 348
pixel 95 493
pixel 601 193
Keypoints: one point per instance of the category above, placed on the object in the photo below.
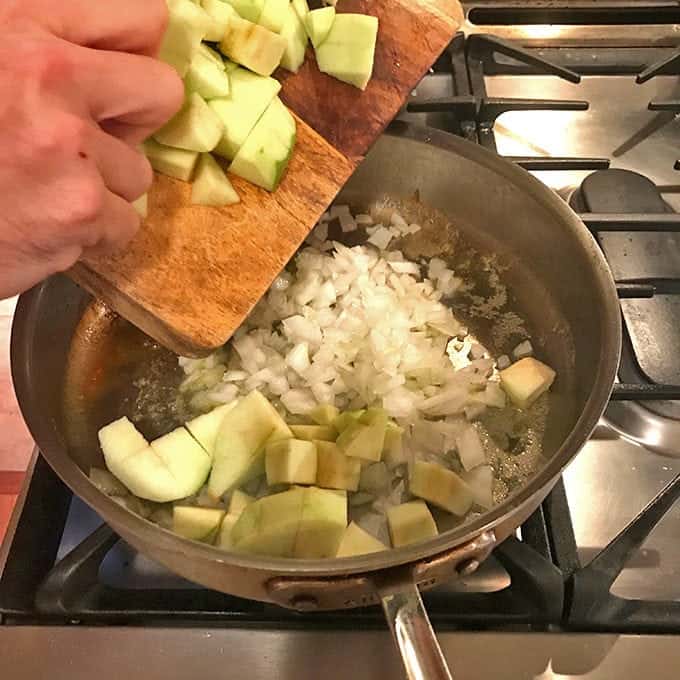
pixel 411 35
pixel 192 274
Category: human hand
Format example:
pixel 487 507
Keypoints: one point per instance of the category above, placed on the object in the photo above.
pixel 79 91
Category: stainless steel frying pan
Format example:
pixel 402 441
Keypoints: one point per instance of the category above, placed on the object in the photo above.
pixel 561 286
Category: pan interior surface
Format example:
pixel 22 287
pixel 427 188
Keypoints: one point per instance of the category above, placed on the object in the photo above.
pixel 495 225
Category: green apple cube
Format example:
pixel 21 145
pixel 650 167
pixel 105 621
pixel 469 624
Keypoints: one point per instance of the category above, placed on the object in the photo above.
pixel 224 539
pixel 393 448
pixel 187 25
pixel 249 98
pixel 348 51
pixel 220 14
pixel 365 438
pixel 323 522
pixel 301 8
pixel 119 440
pixel 185 458
pixel 441 487
pixel 344 420
pixel 248 9
pixel 210 53
pixel 141 205
pixel 199 524
pixel 204 428
pixel 206 77
pixel 324 414
pixel 238 502
pixel 270 525
pixel 274 14
pixel 239 450
pixel 295 35
pixel 526 380
pixel 335 470
pixel 172 467
pixel 324 433
pixel 318 24
pixel 211 185
pixel 264 156
pixel 410 523
pixel 195 128
pixel 356 541
pixel 106 482
pixel 177 163
pixel 253 46
pixel 290 461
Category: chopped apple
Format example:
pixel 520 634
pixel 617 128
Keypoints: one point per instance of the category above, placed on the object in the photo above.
pixel 273 15
pixel 210 53
pixel 224 539
pixel 187 25
pixel 393 448
pixel 204 428
pixel 322 524
pixel 290 461
pixel 248 9
pixel 301 8
pixel 238 502
pixel 239 449
pixel 119 440
pixel 195 128
pixel 172 467
pixel 526 380
pixel 410 523
pixel 199 524
pixel 211 186
pixel 356 541
pixel 206 77
pixel 441 487
pixel 253 46
pixel 348 51
pixel 177 163
pixel 344 420
pixel 293 32
pixel 318 24
pixel 324 414
pixel 249 98
pixel 323 433
pixel 220 14
pixel 335 470
pixel 269 526
pixel 366 437
pixel 264 156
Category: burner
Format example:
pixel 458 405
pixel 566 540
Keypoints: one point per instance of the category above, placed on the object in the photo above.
pixel 652 325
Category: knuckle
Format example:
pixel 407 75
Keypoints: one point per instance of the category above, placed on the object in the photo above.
pixel 61 135
pixel 52 63
pixel 86 202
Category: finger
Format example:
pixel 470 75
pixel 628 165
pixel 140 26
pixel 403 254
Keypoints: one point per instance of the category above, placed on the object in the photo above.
pixel 114 227
pixel 124 25
pixel 131 89
pixel 125 171
pixel 130 134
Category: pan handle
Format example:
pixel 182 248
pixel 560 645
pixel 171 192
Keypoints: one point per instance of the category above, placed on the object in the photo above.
pixel 420 651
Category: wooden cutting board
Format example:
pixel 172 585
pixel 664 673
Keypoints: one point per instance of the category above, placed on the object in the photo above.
pixel 192 273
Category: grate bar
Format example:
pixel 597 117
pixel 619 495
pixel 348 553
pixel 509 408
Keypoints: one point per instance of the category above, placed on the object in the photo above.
pixel 665 105
pixel 492 107
pixel 631 222
pixel 644 392
pixel 559 163
pixel 667 65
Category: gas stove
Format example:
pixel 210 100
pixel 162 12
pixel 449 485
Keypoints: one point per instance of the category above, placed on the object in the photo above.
pixel 584 95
